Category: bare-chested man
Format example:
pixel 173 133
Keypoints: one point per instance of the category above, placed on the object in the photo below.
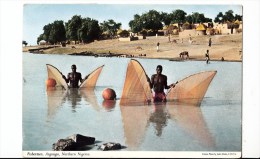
pixel 73 77
pixel 158 83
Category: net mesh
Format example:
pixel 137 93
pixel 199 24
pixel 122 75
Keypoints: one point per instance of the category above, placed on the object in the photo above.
pixel 54 73
pixel 192 88
pixel 136 89
pixel 92 78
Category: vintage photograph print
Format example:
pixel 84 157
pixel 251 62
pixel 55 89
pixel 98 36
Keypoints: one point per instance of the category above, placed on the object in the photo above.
pixel 148 78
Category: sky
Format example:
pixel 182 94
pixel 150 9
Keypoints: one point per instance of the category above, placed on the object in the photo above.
pixel 35 16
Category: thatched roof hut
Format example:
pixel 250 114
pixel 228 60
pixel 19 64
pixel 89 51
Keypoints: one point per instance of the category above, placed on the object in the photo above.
pixel 201 29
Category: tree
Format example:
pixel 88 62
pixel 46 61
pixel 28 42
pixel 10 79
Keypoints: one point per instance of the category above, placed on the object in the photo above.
pixel 46 32
pixel 57 33
pixel 89 30
pixel 219 18
pixel 41 37
pixel 188 19
pixel 199 18
pixel 195 17
pixel 178 16
pixel 25 43
pixel 238 17
pixel 152 21
pixel 229 16
pixel 72 28
pixel 166 18
pixel 110 26
pixel 136 25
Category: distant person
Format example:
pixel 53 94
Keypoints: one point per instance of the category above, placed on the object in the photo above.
pixel 158 83
pixel 207 56
pixel 190 40
pixel 210 42
pixel 158 44
pixel 73 77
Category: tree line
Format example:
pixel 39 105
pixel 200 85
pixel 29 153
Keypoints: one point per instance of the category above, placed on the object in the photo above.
pixel 87 30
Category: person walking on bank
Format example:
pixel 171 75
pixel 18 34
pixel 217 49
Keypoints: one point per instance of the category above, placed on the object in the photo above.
pixel 207 56
pixel 158 44
pixel 210 42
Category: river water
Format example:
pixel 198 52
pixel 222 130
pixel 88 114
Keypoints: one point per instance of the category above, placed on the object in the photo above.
pixel 215 125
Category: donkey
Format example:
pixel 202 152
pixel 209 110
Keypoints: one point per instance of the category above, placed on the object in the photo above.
pixel 184 53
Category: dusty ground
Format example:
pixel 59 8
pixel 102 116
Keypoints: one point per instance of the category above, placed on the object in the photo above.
pixel 227 46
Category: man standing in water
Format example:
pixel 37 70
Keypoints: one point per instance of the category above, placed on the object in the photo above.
pixel 73 77
pixel 158 83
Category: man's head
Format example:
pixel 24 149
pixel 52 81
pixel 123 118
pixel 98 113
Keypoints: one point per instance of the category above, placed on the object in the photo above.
pixel 73 67
pixel 159 69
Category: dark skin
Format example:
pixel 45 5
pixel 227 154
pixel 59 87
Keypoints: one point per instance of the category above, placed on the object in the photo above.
pixel 73 78
pixel 158 81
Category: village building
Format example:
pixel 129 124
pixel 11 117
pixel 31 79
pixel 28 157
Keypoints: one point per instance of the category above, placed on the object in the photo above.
pixel 228 27
pixel 201 29
pixel 42 42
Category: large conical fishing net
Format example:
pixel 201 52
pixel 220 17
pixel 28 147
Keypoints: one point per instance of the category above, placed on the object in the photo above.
pixel 91 79
pixel 89 82
pixel 136 89
pixel 192 88
pixel 54 73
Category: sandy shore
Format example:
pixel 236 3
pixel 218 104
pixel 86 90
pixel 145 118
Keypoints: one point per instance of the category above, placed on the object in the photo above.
pixel 227 46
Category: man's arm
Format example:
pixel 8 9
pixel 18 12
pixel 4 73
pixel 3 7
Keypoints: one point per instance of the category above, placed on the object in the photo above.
pixel 66 79
pixel 149 81
pixel 80 78
pixel 165 83
pixel 171 85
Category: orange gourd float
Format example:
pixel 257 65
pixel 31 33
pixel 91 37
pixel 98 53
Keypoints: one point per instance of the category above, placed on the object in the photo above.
pixel 109 94
pixel 50 82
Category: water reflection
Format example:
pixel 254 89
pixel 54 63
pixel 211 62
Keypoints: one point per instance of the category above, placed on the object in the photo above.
pixel 89 96
pixel 74 98
pixel 109 105
pixel 190 119
pixel 159 117
pixel 136 120
pixel 56 97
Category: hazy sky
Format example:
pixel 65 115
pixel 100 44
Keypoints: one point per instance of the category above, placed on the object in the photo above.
pixel 35 16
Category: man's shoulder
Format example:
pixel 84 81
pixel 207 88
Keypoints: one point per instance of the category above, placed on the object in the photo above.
pixel 164 76
pixel 153 75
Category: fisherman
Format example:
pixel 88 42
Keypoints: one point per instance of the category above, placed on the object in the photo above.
pixel 73 77
pixel 158 83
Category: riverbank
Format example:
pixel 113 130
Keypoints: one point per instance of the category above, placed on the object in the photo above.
pixel 223 47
